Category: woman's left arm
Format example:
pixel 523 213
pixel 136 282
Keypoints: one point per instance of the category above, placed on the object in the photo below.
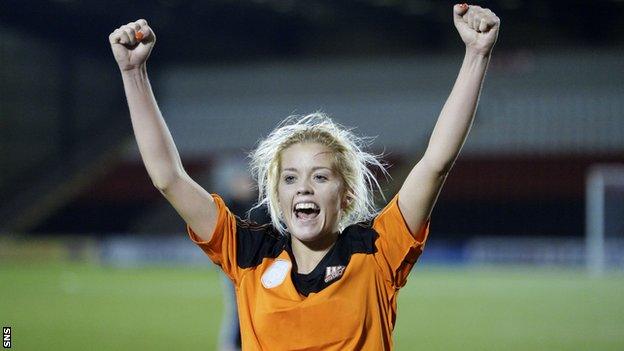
pixel 478 29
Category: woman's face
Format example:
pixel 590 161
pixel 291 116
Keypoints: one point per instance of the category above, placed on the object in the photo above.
pixel 309 191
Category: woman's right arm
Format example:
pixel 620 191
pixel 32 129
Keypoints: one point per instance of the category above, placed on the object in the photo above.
pixel 155 142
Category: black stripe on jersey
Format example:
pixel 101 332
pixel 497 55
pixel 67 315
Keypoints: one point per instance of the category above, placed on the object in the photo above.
pixel 256 242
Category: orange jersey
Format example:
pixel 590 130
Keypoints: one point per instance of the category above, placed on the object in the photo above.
pixel 348 302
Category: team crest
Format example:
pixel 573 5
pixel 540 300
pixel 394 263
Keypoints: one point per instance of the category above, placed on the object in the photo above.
pixel 276 273
pixel 333 272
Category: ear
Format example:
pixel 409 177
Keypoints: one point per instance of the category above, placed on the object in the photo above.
pixel 346 201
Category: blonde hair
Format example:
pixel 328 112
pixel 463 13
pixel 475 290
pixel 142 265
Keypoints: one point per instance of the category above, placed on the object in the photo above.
pixel 351 162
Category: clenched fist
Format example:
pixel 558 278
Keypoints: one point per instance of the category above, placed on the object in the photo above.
pixel 478 27
pixel 132 44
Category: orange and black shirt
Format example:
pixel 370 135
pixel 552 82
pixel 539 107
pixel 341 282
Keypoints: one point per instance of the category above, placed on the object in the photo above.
pixel 348 302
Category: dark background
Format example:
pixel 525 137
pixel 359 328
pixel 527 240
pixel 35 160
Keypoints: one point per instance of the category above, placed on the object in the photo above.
pixel 65 122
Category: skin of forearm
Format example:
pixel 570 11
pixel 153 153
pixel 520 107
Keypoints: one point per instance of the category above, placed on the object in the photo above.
pixel 155 142
pixel 457 115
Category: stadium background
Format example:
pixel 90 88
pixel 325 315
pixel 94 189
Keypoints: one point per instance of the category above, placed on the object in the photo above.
pixel 91 256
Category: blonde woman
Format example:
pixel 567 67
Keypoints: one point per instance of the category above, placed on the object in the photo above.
pixel 325 274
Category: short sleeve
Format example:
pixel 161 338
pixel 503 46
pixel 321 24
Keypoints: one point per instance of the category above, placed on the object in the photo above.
pixel 221 248
pixel 397 249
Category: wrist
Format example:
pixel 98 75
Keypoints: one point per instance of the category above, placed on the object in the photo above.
pixel 134 70
pixel 478 53
pixel 139 72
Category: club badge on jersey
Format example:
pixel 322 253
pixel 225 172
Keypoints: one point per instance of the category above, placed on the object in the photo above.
pixel 276 273
pixel 333 273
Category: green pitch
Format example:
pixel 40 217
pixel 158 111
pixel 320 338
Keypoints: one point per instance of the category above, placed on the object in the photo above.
pixel 83 307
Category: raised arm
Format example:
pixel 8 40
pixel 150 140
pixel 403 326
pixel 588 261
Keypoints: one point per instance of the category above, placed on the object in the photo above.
pixel 478 29
pixel 131 45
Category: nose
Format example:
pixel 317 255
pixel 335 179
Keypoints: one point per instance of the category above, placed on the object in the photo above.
pixel 305 188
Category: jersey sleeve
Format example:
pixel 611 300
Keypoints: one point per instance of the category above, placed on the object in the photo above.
pixel 397 249
pixel 221 248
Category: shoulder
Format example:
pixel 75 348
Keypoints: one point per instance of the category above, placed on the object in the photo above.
pixel 256 242
pixel 390 220
pixel 360 238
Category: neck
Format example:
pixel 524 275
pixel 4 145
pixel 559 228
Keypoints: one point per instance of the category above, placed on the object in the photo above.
pixel 309 254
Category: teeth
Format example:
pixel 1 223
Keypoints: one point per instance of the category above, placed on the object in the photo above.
pixel 306 206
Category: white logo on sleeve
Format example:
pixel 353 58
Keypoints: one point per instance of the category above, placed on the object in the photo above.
pixel 333 272
pixel 276 273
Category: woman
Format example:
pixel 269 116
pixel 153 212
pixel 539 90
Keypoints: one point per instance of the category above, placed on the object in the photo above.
pixel 318 277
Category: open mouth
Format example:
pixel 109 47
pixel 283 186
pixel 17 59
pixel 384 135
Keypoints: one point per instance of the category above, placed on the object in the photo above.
pixel 306 210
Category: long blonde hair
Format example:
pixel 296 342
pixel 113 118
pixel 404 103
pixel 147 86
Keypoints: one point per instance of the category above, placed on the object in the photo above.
pixel 351 162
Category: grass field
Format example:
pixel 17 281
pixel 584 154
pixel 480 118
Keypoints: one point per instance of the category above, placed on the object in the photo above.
pixel 85 307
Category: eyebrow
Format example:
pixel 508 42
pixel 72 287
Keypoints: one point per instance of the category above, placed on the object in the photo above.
pixel 313 168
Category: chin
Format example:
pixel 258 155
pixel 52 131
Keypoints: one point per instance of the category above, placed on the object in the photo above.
pixel 306 234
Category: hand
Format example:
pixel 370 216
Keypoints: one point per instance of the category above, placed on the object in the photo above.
pixel 478 27
pixel 132 44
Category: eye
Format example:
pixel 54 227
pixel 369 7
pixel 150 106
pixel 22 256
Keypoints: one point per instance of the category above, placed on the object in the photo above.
pixel 289 179
pixel 320 177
